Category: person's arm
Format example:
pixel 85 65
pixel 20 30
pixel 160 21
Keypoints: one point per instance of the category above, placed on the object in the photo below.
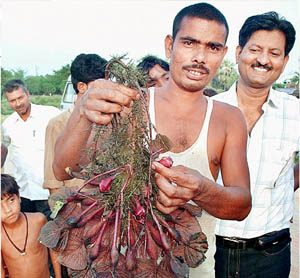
pixel 97 105
pixel 56 265
pixel 231 201
pixel 4 152
pixel 2 267
pixel 296 176
pixel 53 129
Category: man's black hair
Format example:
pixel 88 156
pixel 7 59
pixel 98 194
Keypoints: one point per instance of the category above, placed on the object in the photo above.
pixel 149 61
pixel 268 21
pixel 209 92
pixel 9 186
pixel 86 68
pixel 200 10
pixel 13 85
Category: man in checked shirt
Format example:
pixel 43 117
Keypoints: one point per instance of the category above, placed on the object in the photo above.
pixel 259 246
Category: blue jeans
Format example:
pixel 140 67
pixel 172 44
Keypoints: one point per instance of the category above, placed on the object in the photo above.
pixel 273 262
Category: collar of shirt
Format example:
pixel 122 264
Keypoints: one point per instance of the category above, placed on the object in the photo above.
pixel 273 101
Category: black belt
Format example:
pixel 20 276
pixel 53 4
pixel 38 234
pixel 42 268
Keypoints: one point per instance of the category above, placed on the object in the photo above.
pixel 260 242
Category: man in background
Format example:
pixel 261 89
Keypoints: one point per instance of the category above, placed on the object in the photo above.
pixel 156 69
pixel 84 69
pixel 24 130
pixel 259 246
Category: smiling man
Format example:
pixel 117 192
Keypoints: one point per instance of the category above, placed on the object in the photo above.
pixel 259 246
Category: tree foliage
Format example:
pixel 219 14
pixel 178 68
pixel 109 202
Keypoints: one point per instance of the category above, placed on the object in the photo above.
pixel 225 77
pixel 295 79
pixel 39 85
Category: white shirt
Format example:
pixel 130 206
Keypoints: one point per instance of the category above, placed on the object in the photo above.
pixel 271 146
pixel 27 144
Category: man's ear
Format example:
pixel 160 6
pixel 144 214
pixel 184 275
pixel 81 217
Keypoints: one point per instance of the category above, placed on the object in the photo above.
pixel 238 51
pixel 168 46
pixel 81 87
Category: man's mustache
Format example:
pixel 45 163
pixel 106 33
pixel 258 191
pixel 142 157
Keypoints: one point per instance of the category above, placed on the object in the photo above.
pixel 262 66
pixel 200 67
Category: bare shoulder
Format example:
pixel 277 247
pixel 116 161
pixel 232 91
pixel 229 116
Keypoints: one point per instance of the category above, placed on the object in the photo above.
pixel 223 107
pixel 36 218
pixel 228 114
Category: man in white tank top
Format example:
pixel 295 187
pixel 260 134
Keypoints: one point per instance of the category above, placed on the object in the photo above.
pixel 206 135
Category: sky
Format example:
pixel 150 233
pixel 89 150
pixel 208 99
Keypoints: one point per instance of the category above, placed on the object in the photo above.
pixel 42 36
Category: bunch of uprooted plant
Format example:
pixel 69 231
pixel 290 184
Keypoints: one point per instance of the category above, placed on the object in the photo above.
pixel 110 227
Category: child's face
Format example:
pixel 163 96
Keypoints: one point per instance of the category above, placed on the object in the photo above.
pixel 10 208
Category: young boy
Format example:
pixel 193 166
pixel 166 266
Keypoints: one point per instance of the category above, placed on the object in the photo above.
pixel 21 251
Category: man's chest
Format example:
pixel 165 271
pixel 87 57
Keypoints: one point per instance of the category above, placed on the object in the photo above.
pixel 252 116
pixel 24 134
pixel 183 134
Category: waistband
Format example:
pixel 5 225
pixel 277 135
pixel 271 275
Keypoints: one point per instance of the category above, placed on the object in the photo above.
pixel 261 242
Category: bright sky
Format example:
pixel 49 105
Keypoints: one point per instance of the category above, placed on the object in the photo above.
pixel 41 36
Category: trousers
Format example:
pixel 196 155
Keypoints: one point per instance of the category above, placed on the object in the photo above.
pixel 272 262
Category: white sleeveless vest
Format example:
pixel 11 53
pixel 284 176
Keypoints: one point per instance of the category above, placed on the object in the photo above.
pixel 195 157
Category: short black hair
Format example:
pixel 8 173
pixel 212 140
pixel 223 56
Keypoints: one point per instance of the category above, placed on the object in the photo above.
pixel 13 85
pixel 9 186
pixel 86 68
pixel 209 92
pixel 268 21
pixel 149 61
pixel 200 10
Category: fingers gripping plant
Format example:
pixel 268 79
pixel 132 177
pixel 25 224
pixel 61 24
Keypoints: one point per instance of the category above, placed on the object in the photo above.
pixel 110 227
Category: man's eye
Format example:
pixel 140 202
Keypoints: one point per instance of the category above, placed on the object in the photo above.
pixel 188 43
pixel 215 48
pixel 151 83
pixel 275 54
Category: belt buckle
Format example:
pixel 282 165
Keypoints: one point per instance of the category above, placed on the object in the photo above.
pixel 238 241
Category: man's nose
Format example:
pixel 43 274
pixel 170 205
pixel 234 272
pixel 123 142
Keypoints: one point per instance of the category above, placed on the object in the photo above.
pixel 199 55
pixel 263 58
pixel 159 82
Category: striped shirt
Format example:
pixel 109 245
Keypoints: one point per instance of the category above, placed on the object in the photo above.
pixel 271 147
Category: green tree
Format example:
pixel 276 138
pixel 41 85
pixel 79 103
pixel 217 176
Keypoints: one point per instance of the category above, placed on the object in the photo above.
pixel 33 84
pixel 7 75
pixel 47 87
pixel 278 85
pixel 59 78
pixel 295 79
pixel 225 76
pixel 19 74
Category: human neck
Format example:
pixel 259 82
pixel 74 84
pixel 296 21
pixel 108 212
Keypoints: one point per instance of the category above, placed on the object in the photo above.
pixel 251 97
pixel 176 94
